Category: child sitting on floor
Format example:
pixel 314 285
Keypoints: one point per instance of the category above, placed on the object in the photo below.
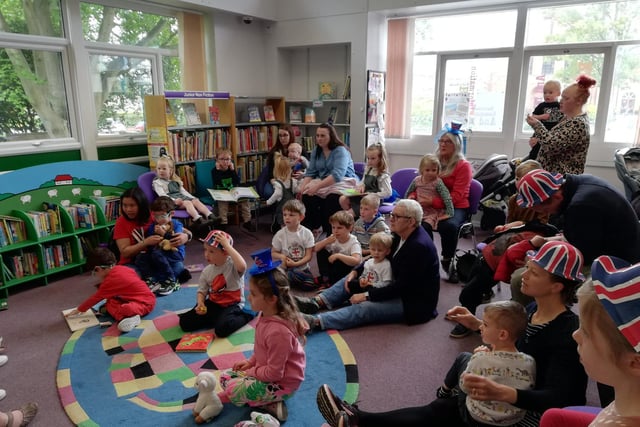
pixel 503 323
pixel 128 297
pixel 369 223
pixel 293 246
pixel 376 271
pixel 340 252
pixel 276 369
pixel 220 296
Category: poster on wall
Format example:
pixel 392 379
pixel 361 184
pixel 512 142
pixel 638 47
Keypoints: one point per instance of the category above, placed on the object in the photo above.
pixel 456 108
pixel 375 97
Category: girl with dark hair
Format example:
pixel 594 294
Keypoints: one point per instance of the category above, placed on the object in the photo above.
pixel 330 171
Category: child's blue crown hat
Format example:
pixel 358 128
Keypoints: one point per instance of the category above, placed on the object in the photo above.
pixel 561 259
pixel 617 285
pixel 211 238
pixel 537 186
pixel 263 262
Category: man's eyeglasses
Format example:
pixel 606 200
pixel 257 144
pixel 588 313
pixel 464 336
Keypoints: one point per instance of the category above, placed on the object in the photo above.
pixel 396 216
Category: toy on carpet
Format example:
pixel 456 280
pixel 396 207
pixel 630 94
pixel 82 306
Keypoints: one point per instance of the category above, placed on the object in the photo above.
pixel 259 420
pixel 208 404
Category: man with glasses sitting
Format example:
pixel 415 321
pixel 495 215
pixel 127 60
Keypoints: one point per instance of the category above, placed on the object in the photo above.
pixel 411 297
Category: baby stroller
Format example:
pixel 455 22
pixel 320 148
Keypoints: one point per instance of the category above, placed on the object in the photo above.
pixel 627 162
pixel 497 175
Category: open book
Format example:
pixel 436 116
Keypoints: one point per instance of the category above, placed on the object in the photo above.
pixel 234 194
pixel 350 192
pixel 81 320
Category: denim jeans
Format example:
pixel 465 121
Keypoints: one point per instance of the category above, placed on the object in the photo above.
pixel 351 316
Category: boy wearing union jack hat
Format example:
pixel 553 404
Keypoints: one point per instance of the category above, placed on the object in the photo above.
pixel 609 342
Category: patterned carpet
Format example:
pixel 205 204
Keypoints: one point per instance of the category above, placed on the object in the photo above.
pixel 108 378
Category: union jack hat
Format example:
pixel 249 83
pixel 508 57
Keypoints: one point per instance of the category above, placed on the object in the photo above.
pixel 537 186
pixel 561 259
pixel 617 284
pixel 211 238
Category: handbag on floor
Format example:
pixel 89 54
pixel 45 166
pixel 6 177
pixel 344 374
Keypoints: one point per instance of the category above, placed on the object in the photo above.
pixel 464 262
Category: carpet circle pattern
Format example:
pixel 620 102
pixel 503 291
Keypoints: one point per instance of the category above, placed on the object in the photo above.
pixel 106 378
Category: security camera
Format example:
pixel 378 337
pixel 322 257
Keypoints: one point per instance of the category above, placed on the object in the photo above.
pixel 247 19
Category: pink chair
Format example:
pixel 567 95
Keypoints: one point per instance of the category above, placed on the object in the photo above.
pixel 400 181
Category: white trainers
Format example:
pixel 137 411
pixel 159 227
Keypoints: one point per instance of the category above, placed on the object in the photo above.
pixel 127 324
pixel 3 394
pixel 3 359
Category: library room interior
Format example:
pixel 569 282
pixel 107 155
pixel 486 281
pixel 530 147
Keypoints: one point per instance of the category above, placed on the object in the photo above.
pixel 176 140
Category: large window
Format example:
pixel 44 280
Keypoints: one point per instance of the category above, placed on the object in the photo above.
pixel 51 90
pixel 491 74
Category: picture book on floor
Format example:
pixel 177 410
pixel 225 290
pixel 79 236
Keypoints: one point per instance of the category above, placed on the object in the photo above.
pixel 234 194
pixel 80 320
pixel 197 342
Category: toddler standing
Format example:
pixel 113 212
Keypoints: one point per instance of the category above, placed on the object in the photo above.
pixel 225 177
pixel 340 252
pixel 276 369
pixel 376 180
pixel 376 271
pixel 128 297
pixel 548 112
pixel 293 246
pixel 220 295
pixel 167 183
pixel 428 184
pixel 502 325
pixel 284 188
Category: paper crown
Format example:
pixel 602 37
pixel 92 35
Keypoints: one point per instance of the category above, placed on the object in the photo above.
pixel 617 285
pixel 263 262
pixel 537 186
pixel 561 259
pixel 211 238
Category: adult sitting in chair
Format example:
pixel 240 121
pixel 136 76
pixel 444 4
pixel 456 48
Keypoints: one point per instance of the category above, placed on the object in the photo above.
pixel 411 297
pixel 330 170
pixel 456 173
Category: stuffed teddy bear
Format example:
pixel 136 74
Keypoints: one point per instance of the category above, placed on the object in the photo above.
pixel 167 233
pixel 208 404
pixel 259 420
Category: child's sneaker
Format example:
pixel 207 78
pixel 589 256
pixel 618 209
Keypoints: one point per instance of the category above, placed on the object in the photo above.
pixel 168 287
pixel 128 323
pixel 443 393
pixel 153 285
pixel 277 409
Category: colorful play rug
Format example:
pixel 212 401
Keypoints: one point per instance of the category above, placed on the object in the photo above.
pixel 106 378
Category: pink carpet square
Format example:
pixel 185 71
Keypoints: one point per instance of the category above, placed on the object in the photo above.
pixel 166 321
pixel 226 361
pixel 157 350
pixel 122 375
pixel 166 362
pixel 66 395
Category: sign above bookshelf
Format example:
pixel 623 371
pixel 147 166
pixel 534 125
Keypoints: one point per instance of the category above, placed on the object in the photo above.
pixel 196 94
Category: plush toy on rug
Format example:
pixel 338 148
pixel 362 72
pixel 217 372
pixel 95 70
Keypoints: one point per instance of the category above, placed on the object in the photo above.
pixel 208 404
pixel 259 420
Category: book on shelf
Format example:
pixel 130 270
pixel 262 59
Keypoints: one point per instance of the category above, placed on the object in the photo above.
pixel 234 194
pixel 80 320
pixel 254 114
pixel 196 342
pixel 170 117
pixel 309 115
pixel 295 114
pixel 190 113
pixel 333 115
pixel 12 230
pixel 327 90
pixel 214 114
pixel 346 91
pixel 269 114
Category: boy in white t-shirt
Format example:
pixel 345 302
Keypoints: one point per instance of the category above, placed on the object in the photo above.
pixel 293 245
pixel 340 252
pixel 376 271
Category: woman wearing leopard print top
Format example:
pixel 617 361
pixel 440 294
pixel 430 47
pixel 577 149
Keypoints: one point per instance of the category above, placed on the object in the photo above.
pixel 563 148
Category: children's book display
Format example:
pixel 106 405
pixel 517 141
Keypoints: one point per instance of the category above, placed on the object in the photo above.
pixel 327 90
pixel 295 114
pixel 254 114
pixel 234 194
pixel 309 115
pixel 269 114
pixel 80 320
pixel 190 113
pixel 198 342
pixel 214 114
